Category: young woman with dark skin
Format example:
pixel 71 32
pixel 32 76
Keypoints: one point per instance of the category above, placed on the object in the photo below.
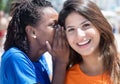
pixel 32 31
pixel 93 55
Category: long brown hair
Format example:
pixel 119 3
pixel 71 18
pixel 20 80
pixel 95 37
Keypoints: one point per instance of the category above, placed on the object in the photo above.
pixel 108 50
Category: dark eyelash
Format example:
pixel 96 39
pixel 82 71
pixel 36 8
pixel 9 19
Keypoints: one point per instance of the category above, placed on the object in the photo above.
pixel 70 29
pixel 55 25
pixel 87 24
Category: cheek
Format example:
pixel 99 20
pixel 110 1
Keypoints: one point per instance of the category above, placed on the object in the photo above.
pixel 70 39
pixel 50 35
pixel 46 35
pixel 94 33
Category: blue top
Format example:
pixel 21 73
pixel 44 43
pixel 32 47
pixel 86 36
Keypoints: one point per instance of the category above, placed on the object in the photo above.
pixel 17 68
pixel 44 63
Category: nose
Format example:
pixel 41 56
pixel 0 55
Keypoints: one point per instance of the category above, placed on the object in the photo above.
pixel 80 32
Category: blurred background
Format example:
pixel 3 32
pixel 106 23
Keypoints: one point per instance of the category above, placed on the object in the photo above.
pixel 109 8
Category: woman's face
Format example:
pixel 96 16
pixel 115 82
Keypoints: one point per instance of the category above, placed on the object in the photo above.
pixel 81 34
pixel 45 30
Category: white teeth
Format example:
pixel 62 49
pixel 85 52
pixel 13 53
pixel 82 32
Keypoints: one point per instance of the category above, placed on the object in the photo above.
pixel 83 43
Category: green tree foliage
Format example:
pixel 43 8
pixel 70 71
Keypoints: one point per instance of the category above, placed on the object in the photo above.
pixel 1 5
pixel 5 5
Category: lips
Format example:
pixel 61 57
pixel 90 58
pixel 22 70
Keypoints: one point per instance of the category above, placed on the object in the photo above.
pixel 84 43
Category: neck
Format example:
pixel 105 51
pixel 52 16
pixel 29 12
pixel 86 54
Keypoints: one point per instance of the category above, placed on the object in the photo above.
pixel 92 65
pixel 35 53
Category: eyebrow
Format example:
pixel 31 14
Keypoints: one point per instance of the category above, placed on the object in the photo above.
pixel 79 24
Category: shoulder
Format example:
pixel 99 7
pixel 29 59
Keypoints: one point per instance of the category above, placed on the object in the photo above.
pixel 13 57
pixel 73 69
pixel 74 66
pixel 13 53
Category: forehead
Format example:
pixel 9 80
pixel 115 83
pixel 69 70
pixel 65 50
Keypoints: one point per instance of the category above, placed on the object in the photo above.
pixel 76 15
pixel 49 12
pixel 78 18
pixel 48 16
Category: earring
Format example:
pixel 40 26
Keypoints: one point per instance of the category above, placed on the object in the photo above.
pixel 34 36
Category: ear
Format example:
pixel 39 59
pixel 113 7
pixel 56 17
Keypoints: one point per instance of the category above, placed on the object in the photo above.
pixel 30 31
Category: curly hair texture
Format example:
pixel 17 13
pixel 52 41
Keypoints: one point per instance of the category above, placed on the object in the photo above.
pixel 23 12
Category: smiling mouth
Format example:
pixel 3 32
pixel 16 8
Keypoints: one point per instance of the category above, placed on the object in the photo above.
pixel 84 43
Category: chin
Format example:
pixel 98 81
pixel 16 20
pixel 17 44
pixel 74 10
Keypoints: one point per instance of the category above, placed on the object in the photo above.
pixel 87 53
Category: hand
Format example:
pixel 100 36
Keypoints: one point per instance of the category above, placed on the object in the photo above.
pixel 59 48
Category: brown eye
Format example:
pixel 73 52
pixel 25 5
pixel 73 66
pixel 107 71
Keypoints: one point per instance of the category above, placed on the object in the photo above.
pixel 70 29
pixel 86 26
pixel 54 24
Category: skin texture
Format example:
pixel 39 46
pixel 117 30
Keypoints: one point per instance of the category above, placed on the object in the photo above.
pixel 43 32
pixel 50 39
pixel 84 38
pixel 92 47
pixel 82 35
